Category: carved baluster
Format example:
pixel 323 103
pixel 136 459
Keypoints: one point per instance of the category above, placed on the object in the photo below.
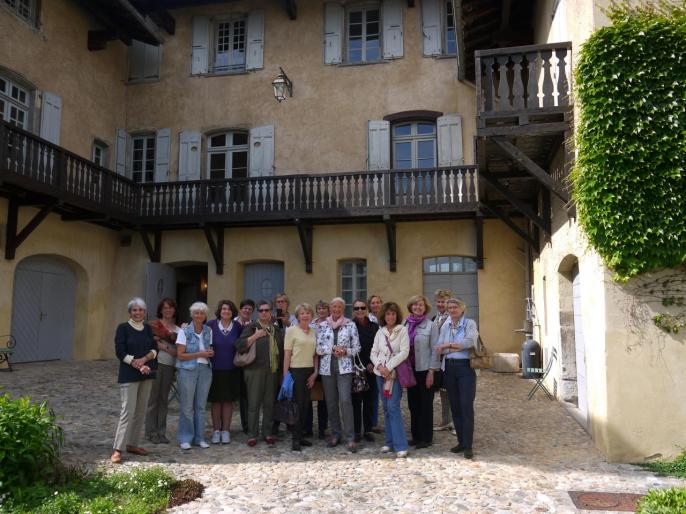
pixel 548 100
pixel 532 101
pixel 489 87
pixel 517 84
pixel 460 186
pixel 503 86
pixel 562 82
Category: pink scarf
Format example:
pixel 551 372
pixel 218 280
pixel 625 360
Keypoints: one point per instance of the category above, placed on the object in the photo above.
pixel 338 323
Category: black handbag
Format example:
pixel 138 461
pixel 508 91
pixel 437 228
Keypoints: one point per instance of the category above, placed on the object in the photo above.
pixel 359 380
pixel 286 411
pixel 438 381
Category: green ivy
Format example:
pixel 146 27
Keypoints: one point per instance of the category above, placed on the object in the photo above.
pixel 630 172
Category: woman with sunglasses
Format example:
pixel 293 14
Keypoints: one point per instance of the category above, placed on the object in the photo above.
pixel 363 403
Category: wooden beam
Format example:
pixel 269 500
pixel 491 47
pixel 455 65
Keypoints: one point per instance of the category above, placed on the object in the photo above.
pixel 305 233
pixel 479 232
pixel 14 239
pixel 391 238
pixel 533 168
pixel 97 39
pixel 520 205
pixel 292 9
pixel 533 129
pixel 546 210
pixel 215 239
pixel 72 216
pixel 154 248
pixel 508 221
pixel 410 3
pixel 164 20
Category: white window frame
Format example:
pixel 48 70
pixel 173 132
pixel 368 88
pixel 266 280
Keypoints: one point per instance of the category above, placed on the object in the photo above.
pixel 349 9
pixel 228 150
pixel 27 10
pixel 146 137
pixel 100 153
pixel 10 101
pixel 355 292
pixel 446 15
pixel 233 19
pixel 414 139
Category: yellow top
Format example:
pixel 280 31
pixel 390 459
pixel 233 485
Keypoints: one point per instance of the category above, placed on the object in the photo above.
pixel 302 346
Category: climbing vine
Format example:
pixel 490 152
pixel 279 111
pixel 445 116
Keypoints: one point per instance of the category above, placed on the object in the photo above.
pixel 630 172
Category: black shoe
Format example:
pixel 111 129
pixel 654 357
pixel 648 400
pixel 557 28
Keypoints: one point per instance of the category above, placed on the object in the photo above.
pixel 412 442
pixel 358 438
pixel 369 437
pixel 423 444
pixel 295 447
pixel 468 453
pixel 305 442
pixel 457 449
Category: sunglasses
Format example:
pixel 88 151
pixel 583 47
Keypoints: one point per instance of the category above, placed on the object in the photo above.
pixel 263 310
pixel 359 308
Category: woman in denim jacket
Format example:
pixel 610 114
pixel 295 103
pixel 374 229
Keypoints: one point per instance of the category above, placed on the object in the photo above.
pixel 194 377
pixel 337 342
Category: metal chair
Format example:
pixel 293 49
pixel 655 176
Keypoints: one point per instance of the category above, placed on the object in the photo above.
pixel 543 374
pixel 7 351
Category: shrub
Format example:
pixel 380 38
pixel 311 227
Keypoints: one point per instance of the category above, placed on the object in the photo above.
pixel 676 467
pixel 663 501
pixel 30 441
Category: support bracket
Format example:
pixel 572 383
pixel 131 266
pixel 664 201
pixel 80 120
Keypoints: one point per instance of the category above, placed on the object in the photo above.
pixel 13 238
pixel 391 238
pixel 215 239
pixel 154 247
pixel 479 232
pixel 305 232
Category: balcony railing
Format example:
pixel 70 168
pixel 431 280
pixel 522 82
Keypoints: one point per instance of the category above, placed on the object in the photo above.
pixel 36 165
pixel 523 80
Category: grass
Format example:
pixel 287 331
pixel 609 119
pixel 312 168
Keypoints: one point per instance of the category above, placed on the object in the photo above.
pixel 141 491
pixel 674 468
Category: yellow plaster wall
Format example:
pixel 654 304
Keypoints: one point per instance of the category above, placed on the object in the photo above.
pixel 54 58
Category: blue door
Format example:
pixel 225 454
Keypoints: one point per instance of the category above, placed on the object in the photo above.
pixel 263 280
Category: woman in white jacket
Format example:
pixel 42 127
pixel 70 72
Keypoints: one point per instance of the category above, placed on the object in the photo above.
pixel 391 347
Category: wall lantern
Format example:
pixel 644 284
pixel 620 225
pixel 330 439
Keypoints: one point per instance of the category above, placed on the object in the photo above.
pixel 282 84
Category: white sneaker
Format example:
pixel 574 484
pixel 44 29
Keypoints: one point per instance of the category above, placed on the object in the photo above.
pixel 385 449
pixel 453 432
pixel 185 446
pixel 203 444
pixel 216 437
pixel 401 454
pixel 226 437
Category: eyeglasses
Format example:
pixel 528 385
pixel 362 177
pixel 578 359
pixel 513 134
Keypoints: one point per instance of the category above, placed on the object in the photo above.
pixel 263 310
pixel 359 308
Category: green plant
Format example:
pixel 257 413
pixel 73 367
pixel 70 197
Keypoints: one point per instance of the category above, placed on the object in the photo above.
pixel 676 467
pixel 630 173
pixel 663 501
pixel 30 441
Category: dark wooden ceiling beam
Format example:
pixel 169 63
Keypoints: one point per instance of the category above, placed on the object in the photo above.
pixel 154 247
pixel 164 20
pixel 392 240
pixel 305 231
pixel 215 240
pixel 511 224
pixel 14 238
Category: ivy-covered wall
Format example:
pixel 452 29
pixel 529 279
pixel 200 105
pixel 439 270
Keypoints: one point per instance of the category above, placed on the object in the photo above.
pixel 630 173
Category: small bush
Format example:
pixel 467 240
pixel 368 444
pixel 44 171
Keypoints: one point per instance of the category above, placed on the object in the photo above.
pixel 663 501
pixel 30 441
pixel 676 467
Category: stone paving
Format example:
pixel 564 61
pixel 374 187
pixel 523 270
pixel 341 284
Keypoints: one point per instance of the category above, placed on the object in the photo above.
pixel 528 454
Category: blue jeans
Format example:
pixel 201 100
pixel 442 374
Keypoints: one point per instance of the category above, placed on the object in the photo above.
pixel 393 418
pixel 193 386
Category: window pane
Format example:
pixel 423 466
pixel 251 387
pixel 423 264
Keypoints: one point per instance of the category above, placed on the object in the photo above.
pixel 361 283
pixel 217 165
pixel 427 263
pixel 402 130
pixel 239 164
pixel 347 268
pixel 372 15
pixel 355 30
pixel 456 264
pixel 426 128
pixel 356 17
pixel 426 149
pixel 402 153
pixel 347 283
pixel 3 86
pixel 373 30
pixel 469 265
pixel 433 266
pixel 361 268
pixel 240 138
pixel 138 144
pixel 218 140
pixel 444 264
pixel 373 50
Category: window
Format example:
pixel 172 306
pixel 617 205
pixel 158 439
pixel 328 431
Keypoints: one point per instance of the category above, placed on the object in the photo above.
pixel 364 34
pixel 353 283
pixel 227 155
pixel 143 158
pixel 450 34
pixel 14 103
pixel 229 45
pixel 25 9
pixel 450 264
pixel 100 153
pixel 414 145
pixel 438 28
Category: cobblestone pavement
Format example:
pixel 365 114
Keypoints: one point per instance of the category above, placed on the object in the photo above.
pixel 528 454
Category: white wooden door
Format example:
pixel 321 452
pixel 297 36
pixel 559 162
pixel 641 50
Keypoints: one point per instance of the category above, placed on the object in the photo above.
pixel 579 343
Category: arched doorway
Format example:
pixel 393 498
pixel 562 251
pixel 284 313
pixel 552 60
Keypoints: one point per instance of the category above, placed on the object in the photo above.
pixel 43 309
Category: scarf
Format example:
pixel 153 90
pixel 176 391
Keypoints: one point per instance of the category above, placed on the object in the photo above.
pixel 412 323
pixel 338 323
pixel 273 348
pixel 137 325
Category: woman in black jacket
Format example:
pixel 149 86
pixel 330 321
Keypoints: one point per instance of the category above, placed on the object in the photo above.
pixel 363 403
pixel 135 348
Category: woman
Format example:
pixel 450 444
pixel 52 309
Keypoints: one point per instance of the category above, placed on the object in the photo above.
pixel 423 336
pixel 261 374
pixel 134 345
pixel 391 347
pixel 247 308
pixel 284 319
pixel 322 310
pixel 440 297
pixel 363 403
pixel 164 330
pixel 337 342
pixel 226 377
pixel 194 351
pixel 374 304
pixel 457 336
pixel 303 363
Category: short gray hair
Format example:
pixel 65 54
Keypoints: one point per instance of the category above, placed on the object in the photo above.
pixel 338 299
pixel 303 307
pixel 137 302
pixel 200 307
pixel 458 302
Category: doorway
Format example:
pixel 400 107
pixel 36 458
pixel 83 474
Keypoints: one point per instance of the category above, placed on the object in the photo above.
pixel 185 282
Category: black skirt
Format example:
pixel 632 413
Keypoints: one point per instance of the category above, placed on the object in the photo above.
pixel 226 386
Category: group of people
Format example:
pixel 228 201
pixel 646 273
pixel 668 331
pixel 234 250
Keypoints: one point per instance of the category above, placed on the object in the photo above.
pixel 234 357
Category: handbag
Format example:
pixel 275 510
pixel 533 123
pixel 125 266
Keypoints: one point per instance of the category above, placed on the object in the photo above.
pixel 438 380
pixel 480 358
pixel 359 380
pixel 242 360
pixel 403 371
pixel 286 411
pixel 317 392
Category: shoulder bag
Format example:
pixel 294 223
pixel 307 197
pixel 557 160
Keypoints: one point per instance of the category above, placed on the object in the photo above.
pixel 479 358
pixel 359 380
pixel 403 370
pixel 242 360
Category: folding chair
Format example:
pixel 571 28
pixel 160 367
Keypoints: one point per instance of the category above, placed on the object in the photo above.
pixel 544 373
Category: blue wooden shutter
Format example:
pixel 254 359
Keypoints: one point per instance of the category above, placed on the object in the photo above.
pixel 255 37
pixel 50 117
pixel 144 61
pixel 333 32
pixel 189 156
pixel 201 44
pixel 431 27
pixel 379 145
pixel 392 17
pixel 120 144
pixel 449 135
pixel 262 151
pixel 162 152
